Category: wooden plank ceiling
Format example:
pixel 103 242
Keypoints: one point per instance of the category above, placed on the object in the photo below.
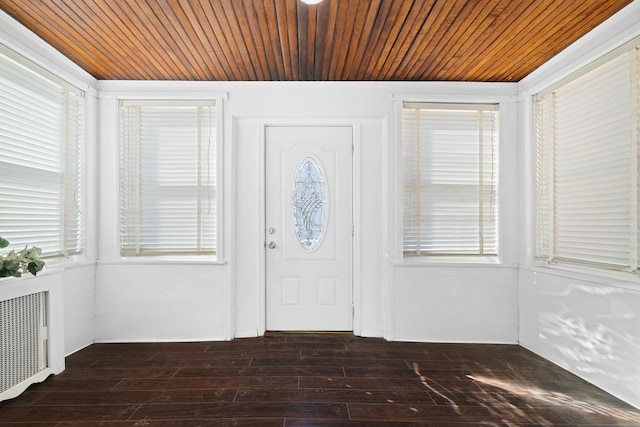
pixel 278 40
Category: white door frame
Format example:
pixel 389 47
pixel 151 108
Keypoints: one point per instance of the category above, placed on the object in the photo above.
pixel 355 213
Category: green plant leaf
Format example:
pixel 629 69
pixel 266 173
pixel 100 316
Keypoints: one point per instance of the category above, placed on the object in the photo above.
pixel 35 266
pixel 13 264
pixel 3 243
pixel 29 254
pixel 10 268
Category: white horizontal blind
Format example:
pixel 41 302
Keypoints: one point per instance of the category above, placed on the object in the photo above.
pixel 450 179
pixel 41 165
pixel 168 178
pixel 587 168
pixel 73 189
pixel 543 128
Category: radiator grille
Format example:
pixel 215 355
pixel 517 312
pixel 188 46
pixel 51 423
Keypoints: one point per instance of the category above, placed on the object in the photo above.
pixel 23 338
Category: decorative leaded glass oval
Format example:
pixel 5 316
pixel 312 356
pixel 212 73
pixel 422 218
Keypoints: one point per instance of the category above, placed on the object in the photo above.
pixel 309 203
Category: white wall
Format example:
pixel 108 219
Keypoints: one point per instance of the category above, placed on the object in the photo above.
pixel 142 300
pixel 79 271
pixel 79 306
pixel 458 302
pixel 455 304
pixel 164 302
pixel 586 323
pixel 234 287
pixel 151 299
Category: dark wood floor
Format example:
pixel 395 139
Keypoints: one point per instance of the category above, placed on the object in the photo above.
pixel 312 380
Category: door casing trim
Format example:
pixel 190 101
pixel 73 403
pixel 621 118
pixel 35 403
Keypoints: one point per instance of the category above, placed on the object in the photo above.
pixel 356 282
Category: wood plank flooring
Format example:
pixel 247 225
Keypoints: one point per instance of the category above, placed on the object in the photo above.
pixel 286 379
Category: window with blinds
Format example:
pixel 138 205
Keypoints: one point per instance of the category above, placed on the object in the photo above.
pixel 42 158
pixel 586 138
pixel 168 192
pixel 450 197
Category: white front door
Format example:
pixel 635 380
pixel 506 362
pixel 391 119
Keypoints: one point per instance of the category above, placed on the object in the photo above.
pixel 308 228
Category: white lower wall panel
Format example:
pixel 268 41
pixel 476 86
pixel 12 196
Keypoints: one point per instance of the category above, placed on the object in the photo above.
pixel 591 329
pixel 142 302
pixel 455 304
pixel 79 307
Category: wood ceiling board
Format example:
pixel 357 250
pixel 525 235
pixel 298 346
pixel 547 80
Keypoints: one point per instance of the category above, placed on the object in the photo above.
pixel 281 40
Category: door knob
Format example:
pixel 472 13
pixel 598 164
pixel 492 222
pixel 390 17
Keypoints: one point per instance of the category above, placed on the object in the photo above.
pixel 272 245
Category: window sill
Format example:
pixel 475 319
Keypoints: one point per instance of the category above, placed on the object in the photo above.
pixel 604 277
pixel 164 260
pixel 452 262
pixel 66 263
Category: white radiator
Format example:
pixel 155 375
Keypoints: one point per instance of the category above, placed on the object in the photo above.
pixel 31 339
pixel 23 339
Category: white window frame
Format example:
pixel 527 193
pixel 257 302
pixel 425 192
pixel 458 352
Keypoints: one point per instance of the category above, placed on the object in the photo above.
pixel 400 259
pixel 545 254
pixel 73 202
pixel 217 99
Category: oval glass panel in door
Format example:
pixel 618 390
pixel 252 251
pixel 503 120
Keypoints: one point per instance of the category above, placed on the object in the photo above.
pixel 309 203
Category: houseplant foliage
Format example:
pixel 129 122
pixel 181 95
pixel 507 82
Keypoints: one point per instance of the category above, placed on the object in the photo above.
pixel 13 264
